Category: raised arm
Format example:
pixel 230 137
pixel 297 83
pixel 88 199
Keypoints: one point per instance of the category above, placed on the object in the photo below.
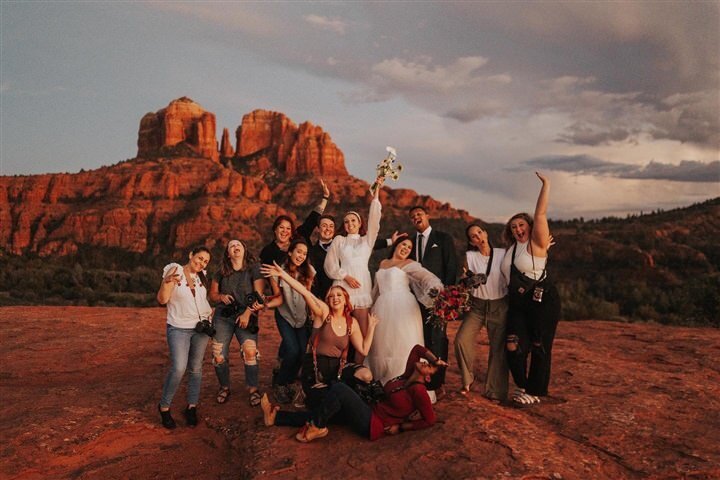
pixel 317 307
pixel 541 230
pixel 171 279
pixel 373 227
pixel 308 226
pixel 362 345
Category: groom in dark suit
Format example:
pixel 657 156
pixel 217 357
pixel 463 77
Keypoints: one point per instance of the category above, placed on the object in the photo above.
pixel 435 251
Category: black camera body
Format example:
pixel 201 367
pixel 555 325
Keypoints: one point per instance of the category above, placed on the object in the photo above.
pixel 204 326
pixel 235 309
pixel 475 280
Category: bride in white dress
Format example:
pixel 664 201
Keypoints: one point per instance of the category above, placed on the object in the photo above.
pixel 399 326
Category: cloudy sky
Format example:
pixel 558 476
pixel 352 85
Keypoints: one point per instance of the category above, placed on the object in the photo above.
pixel 618 102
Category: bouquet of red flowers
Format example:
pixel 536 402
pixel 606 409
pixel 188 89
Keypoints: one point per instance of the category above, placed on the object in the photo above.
pixel 450 304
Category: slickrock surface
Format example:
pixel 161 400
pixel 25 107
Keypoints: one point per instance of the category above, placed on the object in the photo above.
pixel 80 388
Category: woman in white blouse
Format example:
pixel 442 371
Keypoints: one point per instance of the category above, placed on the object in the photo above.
pixel 489 310
pixel 347 261
pixel 184 291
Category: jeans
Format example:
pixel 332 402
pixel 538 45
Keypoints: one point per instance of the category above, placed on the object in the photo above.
pixel 492 314
pixel 340 405
pixel 187 349
pixel 531 326
pixel 225 328
pixel 293 345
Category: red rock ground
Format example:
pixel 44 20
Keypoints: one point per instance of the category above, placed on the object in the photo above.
pixel 80 387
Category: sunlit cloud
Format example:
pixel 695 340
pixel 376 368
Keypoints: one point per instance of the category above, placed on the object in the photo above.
pixel 685 171
pixel 332 24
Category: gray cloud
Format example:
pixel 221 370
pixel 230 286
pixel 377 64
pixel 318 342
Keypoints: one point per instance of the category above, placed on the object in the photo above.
pixel 685 171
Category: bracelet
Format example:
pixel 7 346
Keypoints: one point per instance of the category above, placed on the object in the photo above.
pixel 325 198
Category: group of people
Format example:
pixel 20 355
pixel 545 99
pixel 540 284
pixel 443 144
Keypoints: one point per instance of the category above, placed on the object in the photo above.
pixel 341 333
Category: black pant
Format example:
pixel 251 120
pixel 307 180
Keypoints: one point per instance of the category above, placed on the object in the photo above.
pixel 437 341
pixel 532 325
pixel 340 405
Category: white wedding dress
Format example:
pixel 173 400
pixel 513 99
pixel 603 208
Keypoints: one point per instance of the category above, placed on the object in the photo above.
pixel 399 326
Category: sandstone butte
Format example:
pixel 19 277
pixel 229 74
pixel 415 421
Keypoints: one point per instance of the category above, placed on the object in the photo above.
pixel 80 387
pixel 181 189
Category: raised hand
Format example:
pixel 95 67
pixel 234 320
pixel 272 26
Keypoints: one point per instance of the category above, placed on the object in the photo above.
pixel 373 320
pixel 396 235
pixel 542 178
pixel 326 190
pixel 172 276
pixel 273 270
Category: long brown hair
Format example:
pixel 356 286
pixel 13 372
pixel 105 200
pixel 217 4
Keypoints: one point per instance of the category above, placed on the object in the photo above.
pixel 304 270
pixel 249 260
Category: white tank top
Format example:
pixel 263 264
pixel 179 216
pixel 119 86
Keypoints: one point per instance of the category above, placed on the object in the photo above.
pixel 496 286
pixel 524 262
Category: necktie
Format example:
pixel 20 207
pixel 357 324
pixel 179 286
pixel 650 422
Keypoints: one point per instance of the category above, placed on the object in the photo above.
pixel 420 247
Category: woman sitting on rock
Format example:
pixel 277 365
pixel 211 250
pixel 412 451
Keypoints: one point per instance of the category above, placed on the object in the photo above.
pixel 184 291
pixel 406 396
pixel 235 289
pixel 334 330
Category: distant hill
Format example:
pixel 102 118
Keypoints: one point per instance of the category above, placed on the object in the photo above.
pixel 99 237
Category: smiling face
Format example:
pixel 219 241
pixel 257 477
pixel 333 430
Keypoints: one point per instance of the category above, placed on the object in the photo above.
pixel 283 232
pixel 477 237
pixel 198 261
pixel 336 298
pixel 235 250
pixel 326 229
pixel 298 254
pixel 351 223
pixel 403 250
pixel 520 230
pixel 420 219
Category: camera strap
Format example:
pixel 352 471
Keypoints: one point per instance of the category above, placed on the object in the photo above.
pixel 489 265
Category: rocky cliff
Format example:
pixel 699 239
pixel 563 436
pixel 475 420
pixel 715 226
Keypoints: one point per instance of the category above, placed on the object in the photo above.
pixel 177 193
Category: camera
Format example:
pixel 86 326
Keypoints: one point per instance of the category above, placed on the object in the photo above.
pixel 253 297
pixel 204 326
pixel 232 310
pixel 475 280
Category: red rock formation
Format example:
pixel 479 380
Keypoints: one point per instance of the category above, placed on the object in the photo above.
pixel 226 149
pixel 168 198
pixel 274 138
pixel 183 123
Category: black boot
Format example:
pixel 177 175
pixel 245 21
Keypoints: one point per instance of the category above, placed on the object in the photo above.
pixel 167 419
pixel 191 416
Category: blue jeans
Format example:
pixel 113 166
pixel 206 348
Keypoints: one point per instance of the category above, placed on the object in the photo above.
pixel 340 405
pixel 187 349
pixel 294 342
pixel 225 328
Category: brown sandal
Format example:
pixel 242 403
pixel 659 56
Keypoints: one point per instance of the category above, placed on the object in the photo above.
pixel 223 395
pixel 255 398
